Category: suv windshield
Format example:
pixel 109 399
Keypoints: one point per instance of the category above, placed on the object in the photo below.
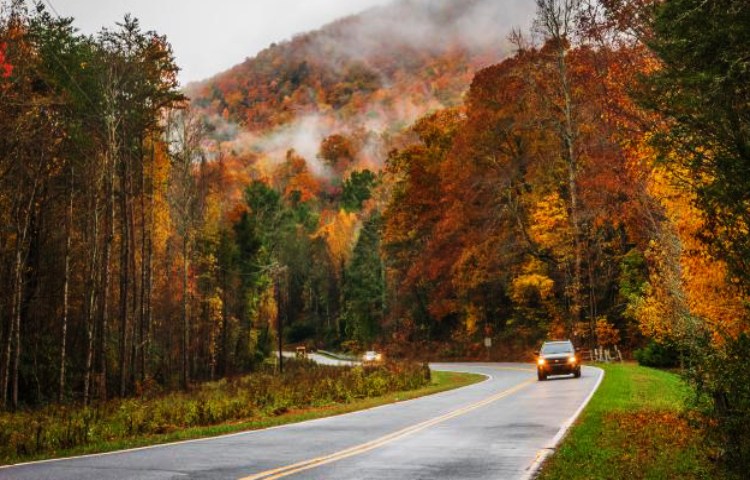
pixel 554 348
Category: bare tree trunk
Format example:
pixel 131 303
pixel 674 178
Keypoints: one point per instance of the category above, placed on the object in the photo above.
pixel 66 282
pixel 91 300
pixel 107 267
pixel 17 301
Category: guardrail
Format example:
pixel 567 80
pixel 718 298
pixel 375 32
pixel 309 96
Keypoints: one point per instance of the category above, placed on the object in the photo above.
pixel 337 356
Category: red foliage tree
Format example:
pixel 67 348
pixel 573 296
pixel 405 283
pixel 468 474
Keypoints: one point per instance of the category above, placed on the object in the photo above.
pixel 6 69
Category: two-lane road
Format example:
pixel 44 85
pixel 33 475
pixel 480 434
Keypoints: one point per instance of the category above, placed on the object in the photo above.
pixel 495 429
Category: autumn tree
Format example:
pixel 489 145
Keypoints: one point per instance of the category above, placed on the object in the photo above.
pixel 413 213
pixel 337 151
pixel 703 89
pixel 357 189
pixel 556 20
pixel 700 88
pixel 186 155
pixel 365 303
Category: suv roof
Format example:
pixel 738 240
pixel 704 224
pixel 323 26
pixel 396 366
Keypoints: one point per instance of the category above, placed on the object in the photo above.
pixel 556 347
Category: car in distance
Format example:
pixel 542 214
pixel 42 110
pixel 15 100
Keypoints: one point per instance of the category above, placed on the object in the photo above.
pixel 371 357
pixel 557 358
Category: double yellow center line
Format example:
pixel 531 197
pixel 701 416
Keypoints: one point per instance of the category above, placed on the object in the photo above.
pixel 379 442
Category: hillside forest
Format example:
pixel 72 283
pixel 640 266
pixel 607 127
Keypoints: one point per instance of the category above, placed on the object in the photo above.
pixel 586 179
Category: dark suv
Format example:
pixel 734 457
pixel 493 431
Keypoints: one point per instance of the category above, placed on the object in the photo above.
pixel 557 358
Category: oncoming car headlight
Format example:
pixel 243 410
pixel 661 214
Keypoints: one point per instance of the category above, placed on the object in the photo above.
pixel 541 361
pixel 572 360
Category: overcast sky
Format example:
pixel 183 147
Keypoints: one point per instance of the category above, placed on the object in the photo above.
pixel 209 36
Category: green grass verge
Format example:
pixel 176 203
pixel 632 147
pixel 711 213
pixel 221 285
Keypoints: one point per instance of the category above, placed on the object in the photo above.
pixel 635 427
pixel 440 382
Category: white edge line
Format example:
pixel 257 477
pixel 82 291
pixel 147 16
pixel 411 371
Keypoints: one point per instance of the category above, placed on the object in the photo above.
pixel 245 432
pixel 541 456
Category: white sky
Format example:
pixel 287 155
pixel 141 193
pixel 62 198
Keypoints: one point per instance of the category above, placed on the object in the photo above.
pixel 209 36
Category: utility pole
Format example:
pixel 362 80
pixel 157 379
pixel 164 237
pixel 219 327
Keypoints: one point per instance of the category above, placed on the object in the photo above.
pixel 279 324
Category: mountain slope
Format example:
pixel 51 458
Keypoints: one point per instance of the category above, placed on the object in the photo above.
pixel 375 72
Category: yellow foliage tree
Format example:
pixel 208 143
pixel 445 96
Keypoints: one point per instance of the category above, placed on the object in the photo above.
pixel 687 284
pixel 550 226
pixel 340 232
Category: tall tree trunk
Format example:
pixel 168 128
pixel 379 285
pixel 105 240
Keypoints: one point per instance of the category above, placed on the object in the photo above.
pixel 17 302
pixel 107 269
pixel 124 276
pixel 141 354
pixel 22 233
pixel 66 283
pixel 148 292
pixel 571 158
pixel 149 261
pixel 6 359
pixel 556 19
pixel 91 297
pixel 8 347
pixel 185 314
pixel 134 277
pixel 224 322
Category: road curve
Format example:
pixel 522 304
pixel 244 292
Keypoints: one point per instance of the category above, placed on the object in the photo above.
pixel 495 429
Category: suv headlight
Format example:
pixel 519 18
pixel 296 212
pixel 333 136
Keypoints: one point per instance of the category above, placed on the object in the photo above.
pixel 572 360
pixel 540 361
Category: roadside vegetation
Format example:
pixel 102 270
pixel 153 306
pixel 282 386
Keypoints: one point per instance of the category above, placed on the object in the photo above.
pixel 639 425
pixel 263 399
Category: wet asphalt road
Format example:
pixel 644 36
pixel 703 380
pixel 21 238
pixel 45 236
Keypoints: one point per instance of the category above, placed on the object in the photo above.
pixel 495 429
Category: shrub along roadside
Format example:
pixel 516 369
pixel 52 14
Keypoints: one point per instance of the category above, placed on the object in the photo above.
pixel 658 355
pixel 259 400
pixel 637 426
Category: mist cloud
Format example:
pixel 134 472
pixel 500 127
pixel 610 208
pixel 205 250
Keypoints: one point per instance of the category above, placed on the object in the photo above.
pixel 430 26
pixel 409 27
